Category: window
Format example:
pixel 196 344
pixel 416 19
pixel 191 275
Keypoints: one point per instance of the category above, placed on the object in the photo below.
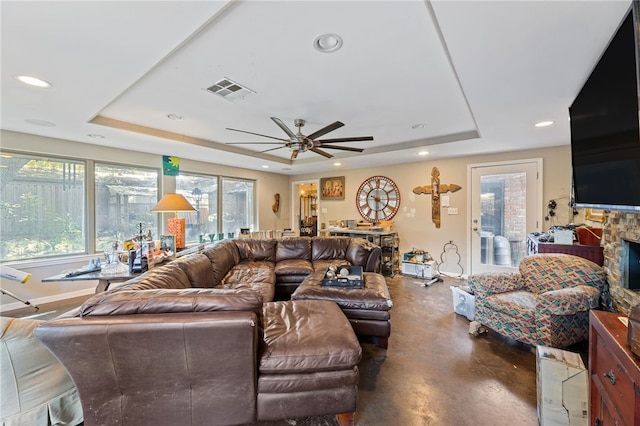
pixel 202 193
pixel 42 206
pixel 237 204
pixel 124 196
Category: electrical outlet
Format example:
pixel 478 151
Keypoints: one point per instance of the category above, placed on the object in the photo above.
pixel 323 211
pixel 452 210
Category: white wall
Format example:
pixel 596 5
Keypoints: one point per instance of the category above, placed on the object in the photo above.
pixel 413 222
pixel 267 184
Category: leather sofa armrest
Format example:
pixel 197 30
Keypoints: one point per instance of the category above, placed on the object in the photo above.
pixel 160 368
pixel 364 253
pixel 569 301
pixel 487 284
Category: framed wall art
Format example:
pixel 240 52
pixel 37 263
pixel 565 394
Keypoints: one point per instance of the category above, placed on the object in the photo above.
pixel 168 244
pixel 594 215
pixel 332 188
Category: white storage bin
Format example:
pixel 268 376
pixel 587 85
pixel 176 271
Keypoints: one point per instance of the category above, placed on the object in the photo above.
pixel 563 388
pixel 464 303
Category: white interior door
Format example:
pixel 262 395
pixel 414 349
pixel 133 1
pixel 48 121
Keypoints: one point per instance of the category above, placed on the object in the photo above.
pixel 506 200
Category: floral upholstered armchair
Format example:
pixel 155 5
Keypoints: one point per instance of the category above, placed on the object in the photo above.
pixel 547 303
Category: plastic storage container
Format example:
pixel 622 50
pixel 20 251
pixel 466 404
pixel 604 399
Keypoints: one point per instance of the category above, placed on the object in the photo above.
pixel 464 303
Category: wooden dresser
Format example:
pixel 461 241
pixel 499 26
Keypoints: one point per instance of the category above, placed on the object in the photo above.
pixel 592 253
pixel 614 372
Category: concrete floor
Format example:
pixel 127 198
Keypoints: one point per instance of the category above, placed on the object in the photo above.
pixel 434 372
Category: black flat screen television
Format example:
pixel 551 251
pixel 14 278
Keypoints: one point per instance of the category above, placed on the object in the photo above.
pixel 605 127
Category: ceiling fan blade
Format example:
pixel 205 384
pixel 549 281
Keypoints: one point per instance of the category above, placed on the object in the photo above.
pixel 355 139
pixel 321 152
pixel 254 143
pixel 258 134
pixel 343 148
pixel 294 154
pixel 284 127
pixel 330 128
pixel 273 149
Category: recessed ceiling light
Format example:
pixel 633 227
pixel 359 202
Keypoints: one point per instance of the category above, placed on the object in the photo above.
pixel 264 166
pixel 38 122
pixel 417 126
pixel 544 123
pixel 337 163
pixel 423 153
pixel 327 43
pixel 33 81
pixel 175 116
pixel 95 136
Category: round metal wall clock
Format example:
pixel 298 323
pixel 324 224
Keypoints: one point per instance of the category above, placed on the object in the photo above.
pixel 378 198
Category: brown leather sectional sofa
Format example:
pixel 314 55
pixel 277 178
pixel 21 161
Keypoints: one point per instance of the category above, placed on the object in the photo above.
pixel 201 341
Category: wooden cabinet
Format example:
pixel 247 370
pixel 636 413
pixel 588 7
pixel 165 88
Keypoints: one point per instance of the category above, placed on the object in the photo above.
pixel 592 253
pixel 614 372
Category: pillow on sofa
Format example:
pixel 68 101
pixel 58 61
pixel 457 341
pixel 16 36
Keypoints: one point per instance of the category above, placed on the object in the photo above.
pixel 223 256
pixel 293 248
pixel 171 301
pixel 257 250
pixel 198 268
pixel 329 248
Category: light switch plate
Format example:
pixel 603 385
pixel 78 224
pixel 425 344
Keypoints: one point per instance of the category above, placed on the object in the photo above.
pixel 444 201
pixel 452 210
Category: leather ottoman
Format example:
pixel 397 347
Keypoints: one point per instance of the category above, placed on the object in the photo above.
pixel 366 308
pixel 308 362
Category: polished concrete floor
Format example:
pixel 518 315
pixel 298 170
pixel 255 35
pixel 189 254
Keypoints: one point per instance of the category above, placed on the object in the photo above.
pixel 434 372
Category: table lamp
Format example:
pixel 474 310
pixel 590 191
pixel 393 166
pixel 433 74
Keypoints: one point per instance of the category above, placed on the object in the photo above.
pixel 176 225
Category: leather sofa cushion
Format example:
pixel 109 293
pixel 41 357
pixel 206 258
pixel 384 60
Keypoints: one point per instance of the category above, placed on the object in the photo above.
pixel 256 250
pixel 293 248
pixel 306 382
pixel 223 256
pixel 329 248
pixel 367 314
pixel 291 279
pixel 170 301
pixel 160 277
pixel 307 336
pixel 293 267
pixel 259 279
pixel 198 269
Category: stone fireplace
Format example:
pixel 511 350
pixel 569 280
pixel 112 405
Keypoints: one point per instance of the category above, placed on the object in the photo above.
pixel 621 243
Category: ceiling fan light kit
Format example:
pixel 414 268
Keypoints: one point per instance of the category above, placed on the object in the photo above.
pixel 297 142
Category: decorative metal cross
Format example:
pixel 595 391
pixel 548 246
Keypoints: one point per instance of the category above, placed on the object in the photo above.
pixel 435 189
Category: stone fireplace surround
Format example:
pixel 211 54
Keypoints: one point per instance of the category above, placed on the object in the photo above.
pixel 618 229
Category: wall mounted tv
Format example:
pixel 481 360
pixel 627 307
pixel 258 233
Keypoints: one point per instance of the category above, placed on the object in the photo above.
pixel 605 126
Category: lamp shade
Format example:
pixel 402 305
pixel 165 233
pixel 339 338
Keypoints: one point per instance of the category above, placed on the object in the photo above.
pixel 173 203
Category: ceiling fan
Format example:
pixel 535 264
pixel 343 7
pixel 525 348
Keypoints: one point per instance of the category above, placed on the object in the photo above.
pixel 298 142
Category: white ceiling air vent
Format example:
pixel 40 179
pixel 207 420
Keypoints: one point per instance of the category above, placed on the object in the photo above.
pixel 230 90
